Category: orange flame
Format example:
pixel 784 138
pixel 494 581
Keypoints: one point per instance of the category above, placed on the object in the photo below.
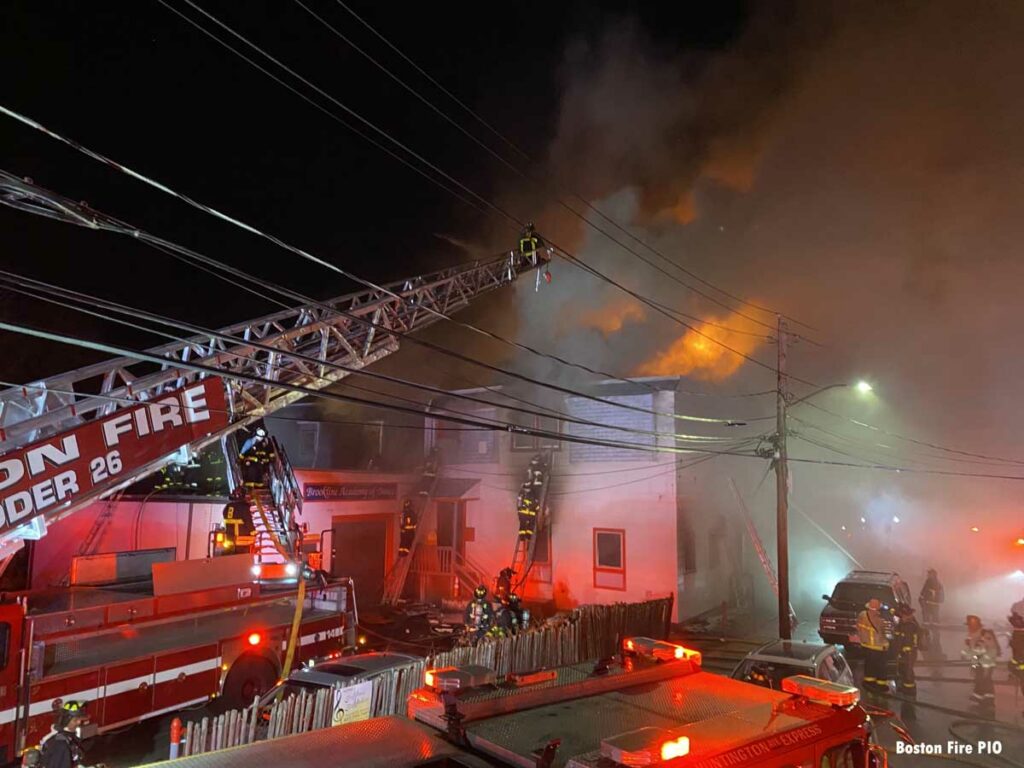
pixel 700 352
pixel 612 317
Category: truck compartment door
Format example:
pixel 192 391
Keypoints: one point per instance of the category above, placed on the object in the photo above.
pixel 186 677
pixel 127 692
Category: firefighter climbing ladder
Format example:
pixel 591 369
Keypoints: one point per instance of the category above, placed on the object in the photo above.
pixel 295 347
pixel 522 556
pixel 426 519
pixel 766 563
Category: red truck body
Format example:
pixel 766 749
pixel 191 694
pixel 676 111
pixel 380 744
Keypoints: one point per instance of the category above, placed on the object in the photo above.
pixel 135 656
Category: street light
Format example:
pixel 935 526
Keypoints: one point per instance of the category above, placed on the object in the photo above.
pixel 864 387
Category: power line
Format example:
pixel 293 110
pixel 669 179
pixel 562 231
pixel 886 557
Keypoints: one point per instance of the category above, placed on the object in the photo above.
pixel 495 208
pixel 918 456
pixel 897 469
pixel 526 156
pixel 245 377
pixel 135 312
pixel 936 446
pixel 294 249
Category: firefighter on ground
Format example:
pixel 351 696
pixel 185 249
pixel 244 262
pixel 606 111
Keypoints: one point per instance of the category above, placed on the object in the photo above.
pixel 908 639
pixel 1016 619
pixel 931 597
pixel 62 747
pixel 503 587
pixel 527 507
pixel 479 616
pixel 407 531
pixel 875 645
pixel 981 648
pixel 511 615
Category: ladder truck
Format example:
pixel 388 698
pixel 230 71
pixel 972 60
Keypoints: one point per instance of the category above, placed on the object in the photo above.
pixel 71 439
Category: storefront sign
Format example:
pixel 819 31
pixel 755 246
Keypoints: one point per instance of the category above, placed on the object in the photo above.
pixel 350 491
pixel 59 470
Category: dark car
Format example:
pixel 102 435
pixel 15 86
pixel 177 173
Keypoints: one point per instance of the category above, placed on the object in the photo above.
pixel 838 621
pixel 347 669
pixel 770 664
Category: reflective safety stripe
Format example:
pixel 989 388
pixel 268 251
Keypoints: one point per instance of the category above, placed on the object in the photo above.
pixel 113 689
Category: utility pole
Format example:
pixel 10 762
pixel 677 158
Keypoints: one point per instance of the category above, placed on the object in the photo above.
pixel 782 489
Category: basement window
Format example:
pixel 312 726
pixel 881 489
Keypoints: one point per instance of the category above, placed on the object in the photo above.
pixel 610 558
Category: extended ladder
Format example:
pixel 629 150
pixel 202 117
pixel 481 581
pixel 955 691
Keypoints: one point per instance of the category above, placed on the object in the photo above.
pixel 522 556
pixel 426 520
pixel 300 347
pixel 766 563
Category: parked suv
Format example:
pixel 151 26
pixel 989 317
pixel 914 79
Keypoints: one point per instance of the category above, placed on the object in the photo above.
pixel 838 621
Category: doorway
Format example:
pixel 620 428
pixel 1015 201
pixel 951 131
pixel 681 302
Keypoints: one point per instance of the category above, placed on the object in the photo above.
pixel 361 549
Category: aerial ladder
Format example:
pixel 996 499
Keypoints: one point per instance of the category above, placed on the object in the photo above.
pixel 53 419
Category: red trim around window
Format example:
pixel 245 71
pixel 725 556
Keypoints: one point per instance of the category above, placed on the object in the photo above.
pixel 605 575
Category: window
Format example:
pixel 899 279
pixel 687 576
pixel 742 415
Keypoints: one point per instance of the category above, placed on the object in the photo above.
pixel 309 438
pixel 478 447
pixel 610 558
pixel 523 442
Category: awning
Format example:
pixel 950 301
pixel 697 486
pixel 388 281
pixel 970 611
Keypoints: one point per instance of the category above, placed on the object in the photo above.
pixel 453 488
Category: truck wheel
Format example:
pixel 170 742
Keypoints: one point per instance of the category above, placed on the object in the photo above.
pixel 250 676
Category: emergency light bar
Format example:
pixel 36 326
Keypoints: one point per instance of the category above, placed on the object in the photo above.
pixel 459 678
pixel 821 690
pixel 660 650
pixel 645 746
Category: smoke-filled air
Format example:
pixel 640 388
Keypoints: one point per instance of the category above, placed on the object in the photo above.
pixel 863 171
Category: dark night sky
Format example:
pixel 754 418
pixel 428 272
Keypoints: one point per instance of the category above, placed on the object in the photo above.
pixel 137 83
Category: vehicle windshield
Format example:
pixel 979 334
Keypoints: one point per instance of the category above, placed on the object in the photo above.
pixel 850 594
pixel 769 674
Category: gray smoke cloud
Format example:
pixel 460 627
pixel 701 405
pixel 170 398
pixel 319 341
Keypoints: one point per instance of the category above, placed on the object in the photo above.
pixel 859 167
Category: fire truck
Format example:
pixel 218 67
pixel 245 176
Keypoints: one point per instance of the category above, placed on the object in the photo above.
pixel 652 705
pixel 135 656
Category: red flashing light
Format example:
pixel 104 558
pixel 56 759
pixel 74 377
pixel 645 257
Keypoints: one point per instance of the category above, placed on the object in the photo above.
pixel 254 638
pixel 680 747
pixel 428 678
pixel 630 645
pixel 821 690
pixel 219 538
pixel 1020 541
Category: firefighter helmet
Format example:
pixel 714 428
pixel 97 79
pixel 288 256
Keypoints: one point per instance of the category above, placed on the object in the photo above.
pixel 480 592
pixel 513 598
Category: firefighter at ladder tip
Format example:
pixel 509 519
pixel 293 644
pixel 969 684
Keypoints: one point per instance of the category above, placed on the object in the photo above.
pixel 875 645
pixel 530 247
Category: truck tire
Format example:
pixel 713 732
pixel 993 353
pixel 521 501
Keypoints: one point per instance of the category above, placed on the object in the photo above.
pixel 250 676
